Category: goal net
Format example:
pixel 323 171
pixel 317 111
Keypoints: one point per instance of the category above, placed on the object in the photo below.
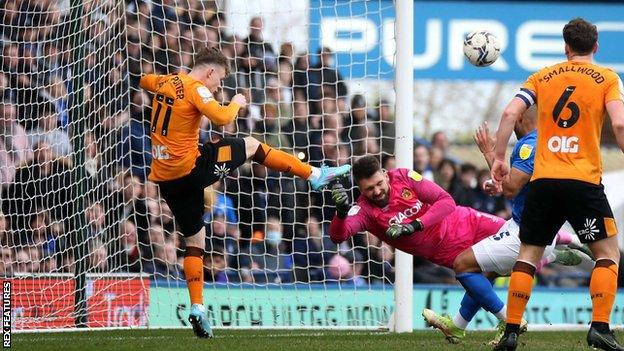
pixel 65 136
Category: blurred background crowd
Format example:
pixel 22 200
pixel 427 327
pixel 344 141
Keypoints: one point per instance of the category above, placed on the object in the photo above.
pixel 263 227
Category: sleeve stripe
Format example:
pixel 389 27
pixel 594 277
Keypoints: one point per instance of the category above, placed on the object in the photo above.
pixel 531 94
pixel 524 98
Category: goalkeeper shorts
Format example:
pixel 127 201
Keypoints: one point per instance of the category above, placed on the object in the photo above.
pixel 185 196
pixel 551 202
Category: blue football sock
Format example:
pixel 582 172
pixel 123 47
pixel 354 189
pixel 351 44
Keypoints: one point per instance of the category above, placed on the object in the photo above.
pixel 469 307
pixel 480 289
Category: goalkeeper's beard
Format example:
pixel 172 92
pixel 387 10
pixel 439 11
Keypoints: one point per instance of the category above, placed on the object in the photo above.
pixel 381 202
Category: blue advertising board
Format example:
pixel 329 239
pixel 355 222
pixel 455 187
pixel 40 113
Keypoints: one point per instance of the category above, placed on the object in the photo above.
pixel 362 35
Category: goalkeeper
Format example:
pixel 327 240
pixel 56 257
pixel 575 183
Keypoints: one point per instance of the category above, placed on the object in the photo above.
pixel 416 216
pixel 183 169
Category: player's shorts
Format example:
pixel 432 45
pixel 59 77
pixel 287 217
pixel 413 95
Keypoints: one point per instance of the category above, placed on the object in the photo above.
pixel 498 253
pixel 550 202
pixel 464 228
pixel 185 196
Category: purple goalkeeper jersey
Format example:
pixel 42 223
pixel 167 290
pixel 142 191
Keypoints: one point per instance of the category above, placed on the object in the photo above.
pixel 448 229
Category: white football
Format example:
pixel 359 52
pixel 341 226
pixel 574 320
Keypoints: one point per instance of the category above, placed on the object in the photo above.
pixel 481 48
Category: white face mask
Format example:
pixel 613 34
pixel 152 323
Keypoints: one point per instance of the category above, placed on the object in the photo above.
pixel 273 237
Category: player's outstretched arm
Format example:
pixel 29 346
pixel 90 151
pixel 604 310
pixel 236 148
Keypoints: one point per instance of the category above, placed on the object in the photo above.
pixel 516 179
pixel 615 109
pixel 348 220
pixel 218 114
pixel 486 143
pixel 442 204
pixel 513 111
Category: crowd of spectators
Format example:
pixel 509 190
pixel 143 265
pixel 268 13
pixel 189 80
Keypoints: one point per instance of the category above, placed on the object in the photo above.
pixel 263 227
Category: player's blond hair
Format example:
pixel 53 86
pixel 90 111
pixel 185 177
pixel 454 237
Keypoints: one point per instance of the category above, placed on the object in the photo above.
pixel 212 55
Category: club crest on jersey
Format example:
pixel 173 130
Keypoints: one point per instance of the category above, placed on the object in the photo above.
pixel 406 194
pixel 525 151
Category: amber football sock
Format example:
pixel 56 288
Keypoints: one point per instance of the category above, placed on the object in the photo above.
pixel 519 291
pixel 194 273
pixel 602 288
pixel 282 161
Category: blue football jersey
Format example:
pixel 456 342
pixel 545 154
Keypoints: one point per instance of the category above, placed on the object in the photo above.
pixel 523 159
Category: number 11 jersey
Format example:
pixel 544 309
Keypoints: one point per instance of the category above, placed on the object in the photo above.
pixel 178 105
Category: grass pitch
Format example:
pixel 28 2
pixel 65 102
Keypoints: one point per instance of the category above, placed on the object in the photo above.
pixel 233 340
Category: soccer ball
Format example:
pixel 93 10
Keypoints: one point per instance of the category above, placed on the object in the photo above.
pixel 481 48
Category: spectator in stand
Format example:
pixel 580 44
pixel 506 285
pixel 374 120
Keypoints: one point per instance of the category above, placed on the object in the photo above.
pixel 49 131
pixel 7 263
pixel 311 252
pixel 43 183
pixel 271 254
pixel 387 132
pixel 307 83
pixel 388 162
pixel 446 176
pixel 98 257
pixel 215 266
pixel 341 270
pixel 128 250
pixel 165 263
pixel 356 131
pixel 495 205
pixel 258 48
pixel 435 159
pixel 330 77
pixel 96 222
pixel 16 141
pixel 27 260
pixel 465 193
pixel 421 161
pixel 287 52
pixel 440 140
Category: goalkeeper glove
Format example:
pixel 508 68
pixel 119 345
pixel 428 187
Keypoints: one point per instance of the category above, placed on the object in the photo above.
pixel 341 199
pixel 398 230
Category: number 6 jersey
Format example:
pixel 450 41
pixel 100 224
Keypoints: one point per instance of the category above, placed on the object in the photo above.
pixel 178 105
pixel 571 98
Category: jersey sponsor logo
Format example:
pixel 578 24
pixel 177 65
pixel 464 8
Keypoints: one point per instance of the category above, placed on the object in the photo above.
pixel 204 93
pixel 160 152
pixel 406 194
pixel 563 144
pixel 415 175
pixel 406 214
pixel 354 210
pixel 590 229
pixel 221 171
pixel 525 151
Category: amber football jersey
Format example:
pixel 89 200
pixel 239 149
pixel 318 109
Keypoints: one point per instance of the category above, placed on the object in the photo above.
pixel 178 105
pixel 571 98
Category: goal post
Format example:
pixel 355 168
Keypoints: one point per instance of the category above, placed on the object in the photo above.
pixel 78 114
pixel 404 88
